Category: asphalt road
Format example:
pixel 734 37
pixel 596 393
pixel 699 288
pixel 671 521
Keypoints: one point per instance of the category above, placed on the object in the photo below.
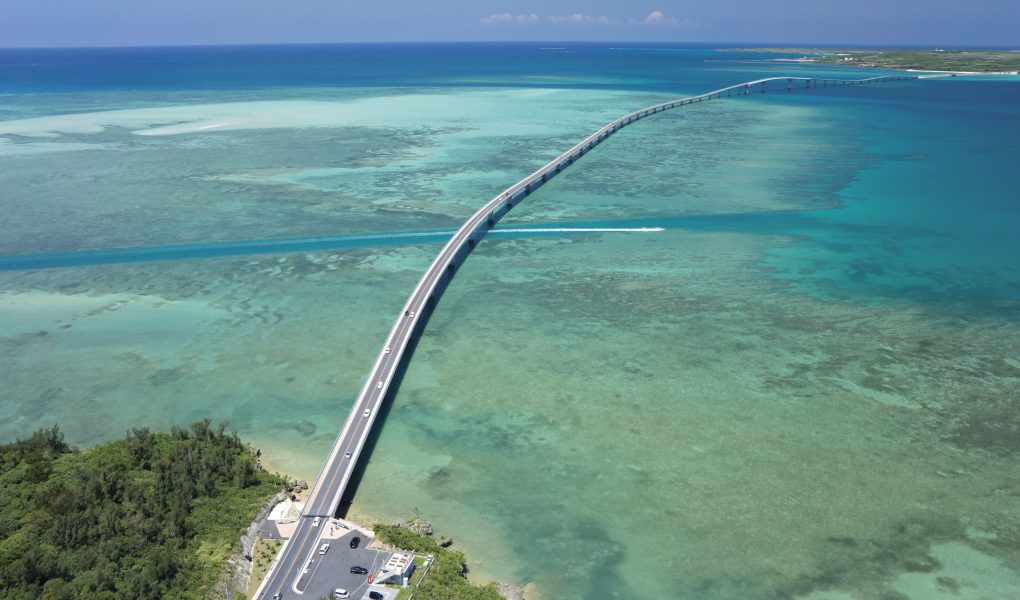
pixel 336 472
pixel 325 495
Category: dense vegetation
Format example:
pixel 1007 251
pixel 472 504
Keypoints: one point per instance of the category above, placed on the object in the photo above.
pixel 151 516
pixel 445 580
pixel 926 60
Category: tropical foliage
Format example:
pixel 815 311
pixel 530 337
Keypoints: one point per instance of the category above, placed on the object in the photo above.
pixel 153 515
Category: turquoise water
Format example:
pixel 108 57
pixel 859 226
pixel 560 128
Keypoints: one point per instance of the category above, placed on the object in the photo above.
pixel 804 387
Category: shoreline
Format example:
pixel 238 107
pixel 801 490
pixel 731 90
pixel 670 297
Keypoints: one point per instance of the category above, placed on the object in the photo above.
pixel 476 575
pixel 977 62
pixel 269 466
pixel 358 516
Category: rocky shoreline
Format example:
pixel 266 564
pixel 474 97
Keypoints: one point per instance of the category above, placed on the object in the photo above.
pixel 510 591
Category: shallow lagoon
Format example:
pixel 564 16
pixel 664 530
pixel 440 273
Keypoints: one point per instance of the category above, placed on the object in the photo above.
pixel 805 387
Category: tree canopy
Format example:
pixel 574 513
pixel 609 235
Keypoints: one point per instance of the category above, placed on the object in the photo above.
pixel 153 515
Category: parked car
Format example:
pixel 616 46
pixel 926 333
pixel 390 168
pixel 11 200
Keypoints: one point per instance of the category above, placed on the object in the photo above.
pixel 375 596
pixel 324 549
pixel 355 541
pixel 341 594
pixel 356 570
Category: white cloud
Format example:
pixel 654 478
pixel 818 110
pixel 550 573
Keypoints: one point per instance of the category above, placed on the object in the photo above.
pixel 580 19
pixel 509 19
pixel 656 18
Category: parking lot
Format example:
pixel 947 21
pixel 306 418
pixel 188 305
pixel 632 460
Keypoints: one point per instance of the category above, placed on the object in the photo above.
pixel 332 570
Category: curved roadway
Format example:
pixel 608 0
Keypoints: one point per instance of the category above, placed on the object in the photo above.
pixel 287 573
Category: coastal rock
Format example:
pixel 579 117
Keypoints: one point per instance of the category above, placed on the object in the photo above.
pixel 445 542
pixel 510 591
pixel 417 525
pixel 302 484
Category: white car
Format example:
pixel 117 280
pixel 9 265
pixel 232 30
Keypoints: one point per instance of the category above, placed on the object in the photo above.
pixel 378 386
pixel 412 314
pixel 315 522
pixel 341 594
pixel 324 549
pixel 386 350
pixel 367 412
pixel 347 454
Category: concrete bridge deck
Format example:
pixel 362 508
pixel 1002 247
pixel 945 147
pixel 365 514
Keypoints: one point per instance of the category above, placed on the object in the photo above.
pixel 325 496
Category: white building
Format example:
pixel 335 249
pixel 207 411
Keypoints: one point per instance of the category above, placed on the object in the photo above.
pixel 398 569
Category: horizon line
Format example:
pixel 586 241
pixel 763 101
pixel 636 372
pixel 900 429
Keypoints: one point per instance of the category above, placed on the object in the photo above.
pixel 790 44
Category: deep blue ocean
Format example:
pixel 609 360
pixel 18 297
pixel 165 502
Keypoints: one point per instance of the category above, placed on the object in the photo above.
pixel 612 66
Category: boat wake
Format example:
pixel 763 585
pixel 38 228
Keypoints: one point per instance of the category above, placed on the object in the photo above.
pixel 581 230
pixel 52 260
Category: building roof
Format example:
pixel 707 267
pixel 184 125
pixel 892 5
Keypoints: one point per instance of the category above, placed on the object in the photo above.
pixel 398 562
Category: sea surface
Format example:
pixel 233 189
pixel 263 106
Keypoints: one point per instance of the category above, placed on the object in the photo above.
pixel 805 386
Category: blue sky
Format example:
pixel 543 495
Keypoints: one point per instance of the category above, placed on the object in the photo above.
pixel 167 22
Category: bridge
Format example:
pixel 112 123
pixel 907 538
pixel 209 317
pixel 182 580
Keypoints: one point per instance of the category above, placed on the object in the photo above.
pixel 285 575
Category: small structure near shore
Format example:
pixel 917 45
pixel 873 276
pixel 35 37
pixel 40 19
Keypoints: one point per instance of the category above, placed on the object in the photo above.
pixel 398 569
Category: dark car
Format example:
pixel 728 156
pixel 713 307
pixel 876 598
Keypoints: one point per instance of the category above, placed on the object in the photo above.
pixel 359 570
pixel 355 541
pixel 375 596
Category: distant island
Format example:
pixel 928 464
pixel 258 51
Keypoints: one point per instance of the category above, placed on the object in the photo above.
pixel 960 61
